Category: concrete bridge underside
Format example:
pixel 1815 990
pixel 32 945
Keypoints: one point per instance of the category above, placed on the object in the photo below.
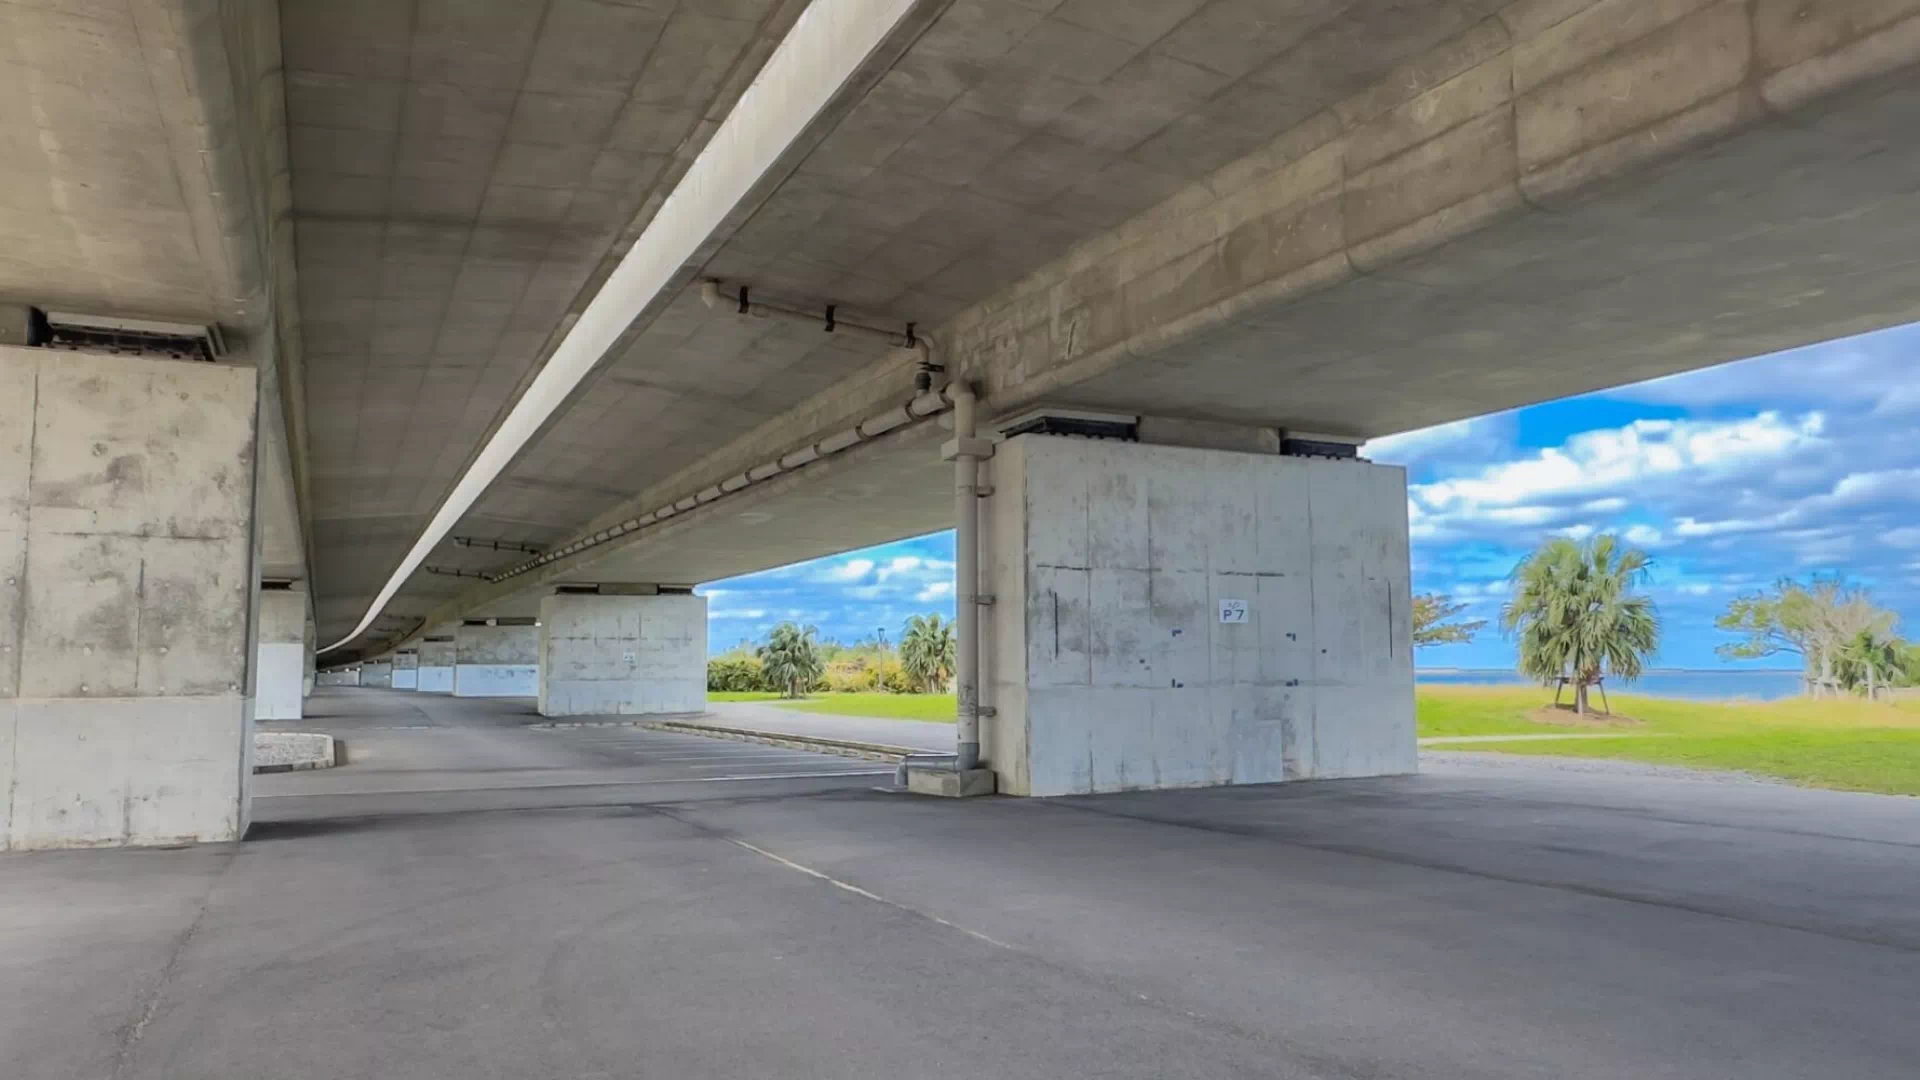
pixel 1350 217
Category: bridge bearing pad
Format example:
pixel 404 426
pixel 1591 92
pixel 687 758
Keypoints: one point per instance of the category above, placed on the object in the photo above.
pixel 949 784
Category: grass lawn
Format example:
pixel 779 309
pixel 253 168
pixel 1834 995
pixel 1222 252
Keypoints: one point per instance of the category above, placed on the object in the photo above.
pixel 886 706
pixel 1846 744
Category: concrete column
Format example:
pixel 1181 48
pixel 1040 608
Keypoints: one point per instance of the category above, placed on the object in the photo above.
pixel 308 680
pixel 280 655
pixel 406 670
pixel 126 589
pixel 496 661
pixel 377 673
pixel 436 666
pixel 1174 617
pixel 622 655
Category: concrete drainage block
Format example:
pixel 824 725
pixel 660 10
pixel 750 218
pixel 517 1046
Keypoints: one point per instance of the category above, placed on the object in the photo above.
pixel 949 784
pixel 287 751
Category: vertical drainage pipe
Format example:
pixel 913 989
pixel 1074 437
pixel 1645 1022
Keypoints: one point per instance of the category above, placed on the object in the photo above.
pixel 966 580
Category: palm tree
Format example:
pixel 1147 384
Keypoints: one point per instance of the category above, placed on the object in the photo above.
pixel 926 650
pixel 791 658
pixel 1874 659
pixel 1577 616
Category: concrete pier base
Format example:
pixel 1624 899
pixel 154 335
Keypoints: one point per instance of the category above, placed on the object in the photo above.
pixel 948 784
pixel 377 673
pixel 622 654
pixel 126 580
pixel 1172 617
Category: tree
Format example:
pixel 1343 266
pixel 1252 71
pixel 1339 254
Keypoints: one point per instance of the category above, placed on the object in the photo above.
pixel 1577 616
pixel 926 650
pixel 1870 661
pixel 1818 621
pixel 1430 626
pixel 791 658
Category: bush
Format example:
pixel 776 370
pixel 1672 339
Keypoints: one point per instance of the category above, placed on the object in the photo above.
pixel 736 675
pixel 866 672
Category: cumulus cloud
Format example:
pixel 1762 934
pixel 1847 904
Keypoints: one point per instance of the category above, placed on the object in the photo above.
pixel 1594 474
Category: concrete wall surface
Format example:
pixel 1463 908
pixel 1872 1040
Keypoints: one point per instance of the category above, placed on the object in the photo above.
pixel 436 667
pixel 377 673
pixel 1117 654
pixel 126 575
pixel 406 671
pixel 280 655
pixel 627 655
pixel 337 678
pixel 496 661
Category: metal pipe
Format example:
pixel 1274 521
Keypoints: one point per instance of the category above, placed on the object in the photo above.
pixel 966 581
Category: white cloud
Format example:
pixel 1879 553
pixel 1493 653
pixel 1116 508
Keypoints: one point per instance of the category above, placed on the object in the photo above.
pixel 851 570
pixel 938 590
pixel 1644 535
pixel 1907 537
pixel 1607 471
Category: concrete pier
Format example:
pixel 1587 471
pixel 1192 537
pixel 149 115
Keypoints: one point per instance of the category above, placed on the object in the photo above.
pixel 377 673
pixel 624 655
pixel 496 661
pixel 280 655
pixel 126 579
pixel 406 670
pixel 436 666
pixel 1172 617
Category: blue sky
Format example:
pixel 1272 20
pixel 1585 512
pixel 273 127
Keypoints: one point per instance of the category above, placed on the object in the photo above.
pixel 1802 462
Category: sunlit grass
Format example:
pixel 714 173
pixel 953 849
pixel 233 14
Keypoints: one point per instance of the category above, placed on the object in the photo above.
pixel 1839 743
pixel 885 706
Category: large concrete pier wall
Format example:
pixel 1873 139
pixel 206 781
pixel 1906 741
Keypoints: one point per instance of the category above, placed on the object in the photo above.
pixel 622 655
pixel 126 585
pixel 496 661
pixel 1173 617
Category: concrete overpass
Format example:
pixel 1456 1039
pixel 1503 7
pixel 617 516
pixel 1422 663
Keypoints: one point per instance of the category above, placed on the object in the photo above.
pixel 488 258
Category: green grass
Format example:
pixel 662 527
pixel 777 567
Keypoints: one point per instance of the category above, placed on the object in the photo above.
pixel 886 706
pixel 1846 744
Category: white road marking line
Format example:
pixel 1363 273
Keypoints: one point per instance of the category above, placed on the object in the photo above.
pixel 875 897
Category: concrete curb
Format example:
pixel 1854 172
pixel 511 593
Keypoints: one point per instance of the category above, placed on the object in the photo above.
pixel 843 747
pixel 296 751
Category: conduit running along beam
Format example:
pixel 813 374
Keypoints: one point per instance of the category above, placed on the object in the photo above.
pixel 920 408
pixel 828 43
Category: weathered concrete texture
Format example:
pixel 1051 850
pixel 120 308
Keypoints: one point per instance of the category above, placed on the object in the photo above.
pixel 280 655
pixel 349 677
pixel 625 655
pixel 496 661
pixel 1570 194
pixel 377 673
pixel 1115 654
pixel 406 670
pixel 287 751
pixel 126 544
pixel 436 666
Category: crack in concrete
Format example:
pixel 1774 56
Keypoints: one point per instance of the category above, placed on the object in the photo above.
pixel 131 1034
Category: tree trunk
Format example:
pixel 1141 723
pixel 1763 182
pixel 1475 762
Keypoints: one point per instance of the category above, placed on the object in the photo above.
pixel 1580 697
pixel 1871 688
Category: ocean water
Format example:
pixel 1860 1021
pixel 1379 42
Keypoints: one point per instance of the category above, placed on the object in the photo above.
pixel 1694 685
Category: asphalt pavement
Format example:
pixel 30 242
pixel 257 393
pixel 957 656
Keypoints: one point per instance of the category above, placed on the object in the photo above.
pixel 474 897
